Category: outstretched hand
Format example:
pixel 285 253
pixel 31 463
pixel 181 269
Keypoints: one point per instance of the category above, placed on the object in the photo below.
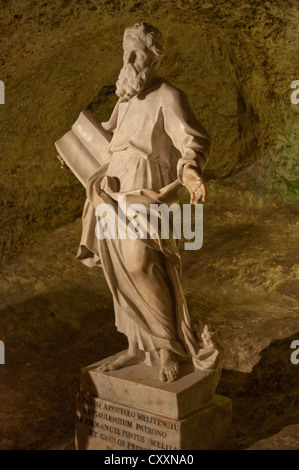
pixel 195 184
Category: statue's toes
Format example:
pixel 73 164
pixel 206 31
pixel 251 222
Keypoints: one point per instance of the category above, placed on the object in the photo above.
pixel 162 375
pixel 104 367
pixel 172 374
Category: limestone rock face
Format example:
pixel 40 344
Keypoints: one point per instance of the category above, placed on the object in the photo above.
pixel 234 59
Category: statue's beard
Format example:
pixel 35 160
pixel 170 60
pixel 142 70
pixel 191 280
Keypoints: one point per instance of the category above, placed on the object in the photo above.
pixel 130 82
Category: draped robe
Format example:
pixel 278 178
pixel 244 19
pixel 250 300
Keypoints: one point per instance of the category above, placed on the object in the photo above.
pixel 154 134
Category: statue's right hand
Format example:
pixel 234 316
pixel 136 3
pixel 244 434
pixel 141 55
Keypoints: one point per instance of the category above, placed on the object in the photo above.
pixel 195 184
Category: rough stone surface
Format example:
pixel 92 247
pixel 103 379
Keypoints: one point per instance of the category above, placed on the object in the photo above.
pixel 57 316
pixel 60 57
pixel 286 439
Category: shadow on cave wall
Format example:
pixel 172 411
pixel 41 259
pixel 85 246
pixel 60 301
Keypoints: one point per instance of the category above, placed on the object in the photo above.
pixel 47 340
pixel 46 348
pixel 264 400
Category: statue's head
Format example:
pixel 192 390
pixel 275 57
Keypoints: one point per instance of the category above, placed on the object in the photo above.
pixel 143 52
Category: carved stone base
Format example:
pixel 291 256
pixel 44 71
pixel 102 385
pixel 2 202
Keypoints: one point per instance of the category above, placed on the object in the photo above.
pixel 131 409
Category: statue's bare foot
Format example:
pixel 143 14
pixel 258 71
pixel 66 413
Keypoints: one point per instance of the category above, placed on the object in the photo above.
pixel 169 366
pixel 127 358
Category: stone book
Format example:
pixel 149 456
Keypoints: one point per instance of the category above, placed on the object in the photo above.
pixel 85 147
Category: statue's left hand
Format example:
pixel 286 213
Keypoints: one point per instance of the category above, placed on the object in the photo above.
pixel 195 184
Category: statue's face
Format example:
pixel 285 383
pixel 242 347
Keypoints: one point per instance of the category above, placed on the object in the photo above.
pixel 137 69
pixel 137 54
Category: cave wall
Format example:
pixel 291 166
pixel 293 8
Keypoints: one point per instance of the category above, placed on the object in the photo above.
pixel 234 59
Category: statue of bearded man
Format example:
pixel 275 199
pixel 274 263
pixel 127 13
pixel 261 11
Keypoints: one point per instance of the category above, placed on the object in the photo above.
pixel 157 153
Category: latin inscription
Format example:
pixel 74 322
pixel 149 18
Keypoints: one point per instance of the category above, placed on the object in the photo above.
pixel 105 425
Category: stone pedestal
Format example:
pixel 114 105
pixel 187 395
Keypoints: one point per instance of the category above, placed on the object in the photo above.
pixel 130 409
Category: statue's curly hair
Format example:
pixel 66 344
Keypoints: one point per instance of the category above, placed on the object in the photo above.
pixel 150 35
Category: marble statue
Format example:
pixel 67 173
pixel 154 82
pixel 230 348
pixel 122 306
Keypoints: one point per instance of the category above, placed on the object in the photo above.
pixel 156 154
